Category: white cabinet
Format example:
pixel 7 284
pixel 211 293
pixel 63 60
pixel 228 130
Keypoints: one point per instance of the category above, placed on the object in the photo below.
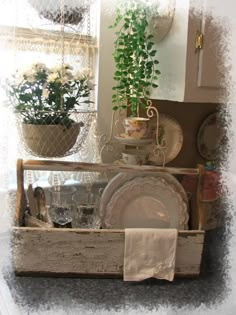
pixel 188 73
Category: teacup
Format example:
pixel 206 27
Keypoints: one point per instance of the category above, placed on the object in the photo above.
pixel 137 127
pixel 134 157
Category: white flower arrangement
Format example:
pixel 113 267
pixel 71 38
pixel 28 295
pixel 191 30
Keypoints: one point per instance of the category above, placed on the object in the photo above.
pixel 48 95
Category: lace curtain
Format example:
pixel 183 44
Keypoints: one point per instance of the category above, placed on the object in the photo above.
pixel 27 36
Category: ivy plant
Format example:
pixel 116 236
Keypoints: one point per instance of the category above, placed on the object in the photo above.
pixel 135 58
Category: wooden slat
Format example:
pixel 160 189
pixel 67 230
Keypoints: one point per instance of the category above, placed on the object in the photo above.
pixel 76 252
pixel 214 215
pixel 46 165
pixel 32 201
pixel 20 195
pixel 199 208
pixel 194 203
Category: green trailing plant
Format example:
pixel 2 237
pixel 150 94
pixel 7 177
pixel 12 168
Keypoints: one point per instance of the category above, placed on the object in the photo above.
pixel 48 96
pixel 135 58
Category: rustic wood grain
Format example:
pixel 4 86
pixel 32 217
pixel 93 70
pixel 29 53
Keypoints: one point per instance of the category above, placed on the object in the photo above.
pixel 214 214
pixel 21 202
pixel 76 252
pixel 199 208
pixel 45 165
pixel 32 201
pixel 194 215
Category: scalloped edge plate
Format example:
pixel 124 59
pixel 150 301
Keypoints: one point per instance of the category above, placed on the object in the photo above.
pixel 148 202
pixel 209 138
pixel 121 178
pixel 173 135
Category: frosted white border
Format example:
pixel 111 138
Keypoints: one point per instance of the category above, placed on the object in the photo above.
pixel 225 9
pixel 7 304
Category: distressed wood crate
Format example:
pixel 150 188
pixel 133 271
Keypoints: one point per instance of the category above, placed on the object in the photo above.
pixel 93 253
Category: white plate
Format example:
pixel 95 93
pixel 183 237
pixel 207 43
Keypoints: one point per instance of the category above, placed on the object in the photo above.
pixel 120 179
pixel 148 202
pixel 134 142
pixel 210 138
pixel 173 135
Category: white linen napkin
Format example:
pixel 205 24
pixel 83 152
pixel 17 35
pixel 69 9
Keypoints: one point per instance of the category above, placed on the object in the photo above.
pixel 149 253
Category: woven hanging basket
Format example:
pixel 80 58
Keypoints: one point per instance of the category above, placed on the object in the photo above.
pixel 73 11
pixel 50 140
pixel 56 140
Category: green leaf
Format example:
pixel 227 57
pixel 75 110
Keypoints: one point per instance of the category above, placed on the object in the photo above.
pixel 150 36
pixel 117 73
pixel 153 53
pixel 149 45
pixel 115 107
pixel 149 64
pixel 154 85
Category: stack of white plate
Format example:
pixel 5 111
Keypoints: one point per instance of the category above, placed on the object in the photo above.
pixel 144 201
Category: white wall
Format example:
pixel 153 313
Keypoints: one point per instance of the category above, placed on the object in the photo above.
pixel 105 73
pixel 171 54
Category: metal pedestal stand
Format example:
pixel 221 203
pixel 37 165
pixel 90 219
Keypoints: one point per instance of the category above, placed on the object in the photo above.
pixel 159 147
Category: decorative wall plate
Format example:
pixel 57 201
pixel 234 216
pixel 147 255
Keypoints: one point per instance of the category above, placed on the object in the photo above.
pixel 173 135
pixel 148 202
pixel 210 137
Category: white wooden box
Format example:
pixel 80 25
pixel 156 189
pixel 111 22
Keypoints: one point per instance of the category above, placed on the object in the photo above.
pixel 92 253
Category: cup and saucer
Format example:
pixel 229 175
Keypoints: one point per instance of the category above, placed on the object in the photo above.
pixel 137 132
pixel 133 157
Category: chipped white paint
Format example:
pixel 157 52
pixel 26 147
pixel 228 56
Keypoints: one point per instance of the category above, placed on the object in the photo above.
pixel 45 165
pixel 87 252
pixel 90 252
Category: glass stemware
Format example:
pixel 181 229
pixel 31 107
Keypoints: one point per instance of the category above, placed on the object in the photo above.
pixel 85 214
pixel 62 206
